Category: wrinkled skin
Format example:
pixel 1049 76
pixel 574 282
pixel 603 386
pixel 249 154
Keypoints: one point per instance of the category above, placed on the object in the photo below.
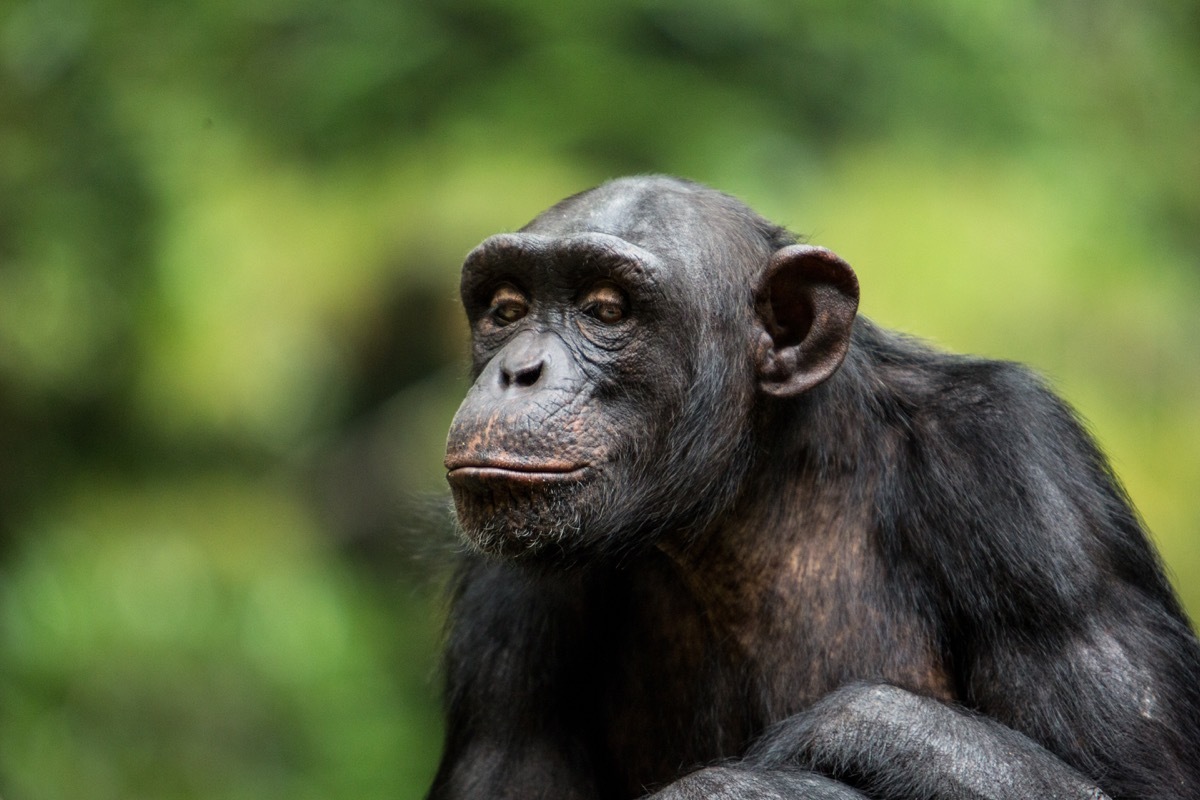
pixel 619 398
pixel 728 539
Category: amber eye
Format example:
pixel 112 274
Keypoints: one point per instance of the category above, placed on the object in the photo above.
pixel 605 302
pixel 508 305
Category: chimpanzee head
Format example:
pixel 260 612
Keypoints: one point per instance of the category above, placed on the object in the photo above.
pixel 622 343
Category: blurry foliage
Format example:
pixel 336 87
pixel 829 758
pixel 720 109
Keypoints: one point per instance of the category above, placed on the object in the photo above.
pixel 229 345
pixel 195 641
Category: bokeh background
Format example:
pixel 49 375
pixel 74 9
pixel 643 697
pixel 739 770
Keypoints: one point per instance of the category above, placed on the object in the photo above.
pixel 229 341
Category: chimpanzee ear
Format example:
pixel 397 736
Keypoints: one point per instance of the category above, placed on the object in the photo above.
pixel 806 305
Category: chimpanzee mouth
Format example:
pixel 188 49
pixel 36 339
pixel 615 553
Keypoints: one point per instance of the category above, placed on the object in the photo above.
pixel 477 474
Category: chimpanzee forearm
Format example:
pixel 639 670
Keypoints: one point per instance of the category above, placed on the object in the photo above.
pixel 895 744
pixel 740 783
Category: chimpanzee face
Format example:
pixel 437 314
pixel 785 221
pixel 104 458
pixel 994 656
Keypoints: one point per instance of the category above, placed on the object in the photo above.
pixel 615 346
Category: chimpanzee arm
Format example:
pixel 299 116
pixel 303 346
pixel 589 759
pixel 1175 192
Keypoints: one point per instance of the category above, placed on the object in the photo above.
pixel 750 782
pixel 1059 621
pixel 1062 631
pixel 512 726
pixel 896 744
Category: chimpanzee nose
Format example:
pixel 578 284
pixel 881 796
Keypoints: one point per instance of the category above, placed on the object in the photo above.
pixel 523 362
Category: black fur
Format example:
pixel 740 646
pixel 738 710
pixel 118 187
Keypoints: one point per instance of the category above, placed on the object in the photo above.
pixel 915 578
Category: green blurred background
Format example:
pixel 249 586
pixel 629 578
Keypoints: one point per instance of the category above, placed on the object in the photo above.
pixel 230 346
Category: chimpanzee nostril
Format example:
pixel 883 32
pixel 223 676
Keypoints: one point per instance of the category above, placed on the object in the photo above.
pixel 522 376
pixel 528 375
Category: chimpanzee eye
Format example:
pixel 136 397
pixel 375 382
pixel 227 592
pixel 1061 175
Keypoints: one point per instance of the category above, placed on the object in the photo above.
pixel 605 302
pixel 508 305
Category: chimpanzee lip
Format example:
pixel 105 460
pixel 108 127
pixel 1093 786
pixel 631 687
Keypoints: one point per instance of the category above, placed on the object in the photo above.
pixel 535 473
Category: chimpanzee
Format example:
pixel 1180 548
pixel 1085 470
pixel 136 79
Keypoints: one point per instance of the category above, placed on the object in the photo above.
pixel 729 539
